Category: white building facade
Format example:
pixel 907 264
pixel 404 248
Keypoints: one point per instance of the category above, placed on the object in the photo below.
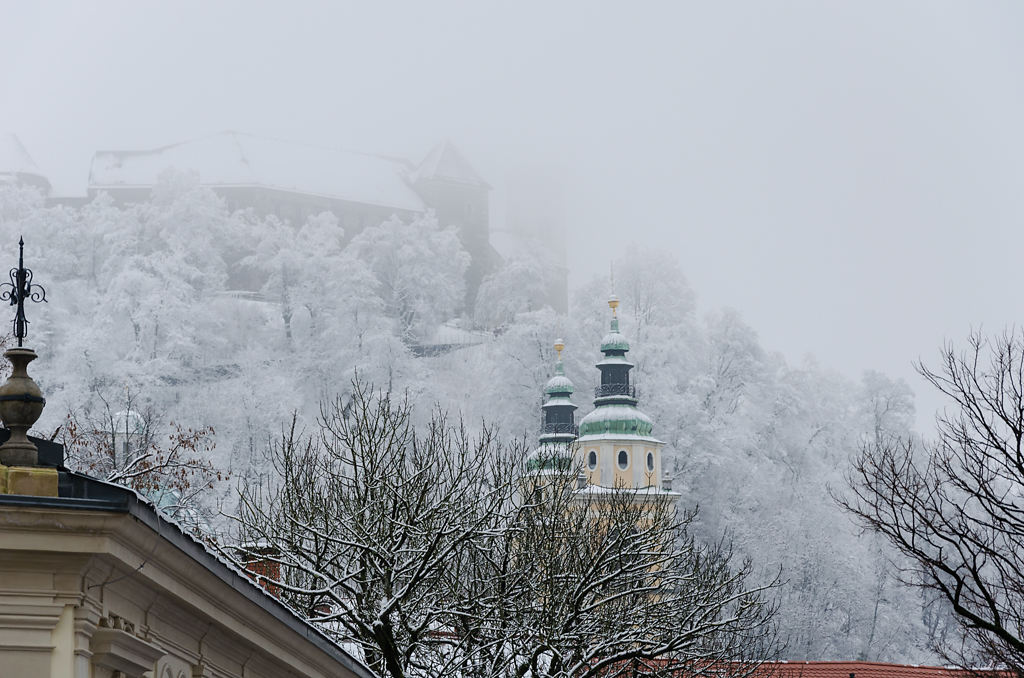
pixel 96 583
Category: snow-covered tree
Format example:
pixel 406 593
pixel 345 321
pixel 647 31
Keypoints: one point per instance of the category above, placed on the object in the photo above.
pixel 182 298
pixel 518 286
pixel 756 442
pixel 420 269
pixel 365 517
pixel 607 582
pixel 435 555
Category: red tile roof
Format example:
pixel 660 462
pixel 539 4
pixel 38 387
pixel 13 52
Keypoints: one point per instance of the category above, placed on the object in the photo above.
pixel 841 669
pixel 851 669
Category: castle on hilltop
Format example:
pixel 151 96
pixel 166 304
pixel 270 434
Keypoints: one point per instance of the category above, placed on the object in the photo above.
pixel 294 181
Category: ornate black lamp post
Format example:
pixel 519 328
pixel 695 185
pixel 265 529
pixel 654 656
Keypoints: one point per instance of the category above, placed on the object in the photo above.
pixel 21 401
pixel 19 290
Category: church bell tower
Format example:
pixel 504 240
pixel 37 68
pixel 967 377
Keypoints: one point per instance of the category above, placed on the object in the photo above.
pixel 615 439
pixel 558 423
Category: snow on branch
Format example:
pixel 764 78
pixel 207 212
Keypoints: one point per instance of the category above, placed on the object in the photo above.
pixel 435 553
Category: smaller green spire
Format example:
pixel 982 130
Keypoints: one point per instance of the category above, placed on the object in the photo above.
pixel 550 457
pixel 558 422
pixel 559 385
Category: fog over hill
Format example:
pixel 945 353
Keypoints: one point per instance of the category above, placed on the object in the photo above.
pixel 236 207
pixel 838 173
pixel 139 305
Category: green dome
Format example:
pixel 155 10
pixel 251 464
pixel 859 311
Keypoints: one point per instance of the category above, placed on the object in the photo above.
pixel 613 341
pixel 559 385
pixel 550 457
pixel 616 419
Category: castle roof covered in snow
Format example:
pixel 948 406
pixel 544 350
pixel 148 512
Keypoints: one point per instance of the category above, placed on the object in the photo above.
pixel 234 159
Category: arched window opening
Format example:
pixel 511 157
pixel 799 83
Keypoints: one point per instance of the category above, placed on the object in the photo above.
pixel 623 459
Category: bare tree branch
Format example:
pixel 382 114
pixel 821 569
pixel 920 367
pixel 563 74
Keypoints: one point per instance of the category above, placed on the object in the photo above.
pixel 955 507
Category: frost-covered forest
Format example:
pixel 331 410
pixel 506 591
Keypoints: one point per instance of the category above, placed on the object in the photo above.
pixel 208 318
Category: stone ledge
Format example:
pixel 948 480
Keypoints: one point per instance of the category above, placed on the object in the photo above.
pixel 119 650
pixel 36 481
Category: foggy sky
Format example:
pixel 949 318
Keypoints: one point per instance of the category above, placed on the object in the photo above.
pixel 847 175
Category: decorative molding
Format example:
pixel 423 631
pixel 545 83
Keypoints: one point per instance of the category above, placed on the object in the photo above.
pixel 116 647
pixel 173 667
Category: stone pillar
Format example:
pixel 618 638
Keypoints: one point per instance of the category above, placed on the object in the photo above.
pixel 37 608
pixel 26 637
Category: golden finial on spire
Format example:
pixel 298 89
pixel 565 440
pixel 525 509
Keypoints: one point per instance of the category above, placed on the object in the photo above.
pixel 613 301
pixel 559 347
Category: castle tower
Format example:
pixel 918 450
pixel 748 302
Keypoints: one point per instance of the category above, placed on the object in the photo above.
pixel 17 166
pixel 558 423
pixel 459 197
pixel 615 440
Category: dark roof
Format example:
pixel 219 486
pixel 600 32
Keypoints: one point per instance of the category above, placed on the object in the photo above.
pixel 446 163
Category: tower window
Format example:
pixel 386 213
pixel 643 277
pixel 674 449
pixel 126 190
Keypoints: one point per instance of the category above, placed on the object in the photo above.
pixel 623 459
pixel 592 460
pixel 650 461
